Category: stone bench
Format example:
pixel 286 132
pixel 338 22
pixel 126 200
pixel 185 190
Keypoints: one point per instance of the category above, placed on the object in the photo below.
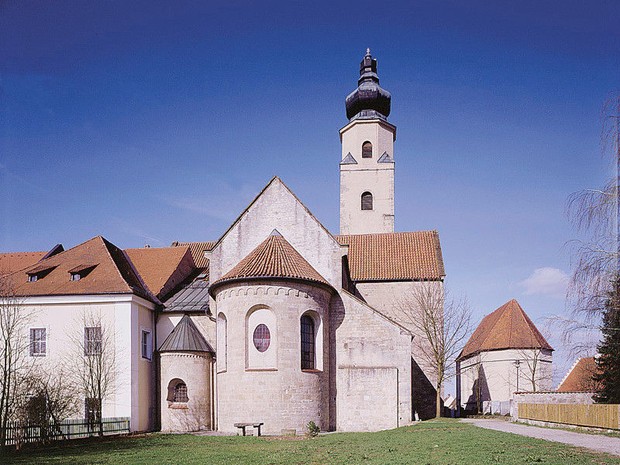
pixel 243 426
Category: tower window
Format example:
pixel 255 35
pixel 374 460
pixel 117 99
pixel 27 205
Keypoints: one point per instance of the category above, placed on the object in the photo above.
pixel 366 201
pixel 366 150
pixel 307 343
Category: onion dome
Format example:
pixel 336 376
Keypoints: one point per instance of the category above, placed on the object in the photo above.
pixel 369 100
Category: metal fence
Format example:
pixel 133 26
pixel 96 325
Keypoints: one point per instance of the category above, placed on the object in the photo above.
pixel 591 415
pixel 17 433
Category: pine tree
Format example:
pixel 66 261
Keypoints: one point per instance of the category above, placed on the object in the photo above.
pixel 609 349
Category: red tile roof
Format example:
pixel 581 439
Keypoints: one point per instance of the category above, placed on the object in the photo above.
pixel 273 258
pixel 198 250
pixel 15 261
pixel 113 273
pixel 162 269
pixel 394 256
pixel 508 327
pixel 579 377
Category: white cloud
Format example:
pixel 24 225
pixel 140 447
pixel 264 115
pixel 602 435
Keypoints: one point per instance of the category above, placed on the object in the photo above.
pixel 546 281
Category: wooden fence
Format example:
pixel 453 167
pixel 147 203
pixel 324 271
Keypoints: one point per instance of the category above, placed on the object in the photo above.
pixel 592 415
pixel 68 429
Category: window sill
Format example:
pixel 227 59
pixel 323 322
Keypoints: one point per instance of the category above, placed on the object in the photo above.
pixel 313 370
pixel 178 405
pixel 261 369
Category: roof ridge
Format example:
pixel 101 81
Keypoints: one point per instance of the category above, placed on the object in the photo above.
pixel 144 288
pixel 263 190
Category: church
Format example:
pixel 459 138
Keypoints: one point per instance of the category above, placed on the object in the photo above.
pixel 277 321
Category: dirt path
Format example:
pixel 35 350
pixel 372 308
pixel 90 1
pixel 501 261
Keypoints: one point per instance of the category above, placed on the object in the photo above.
pixel 596 442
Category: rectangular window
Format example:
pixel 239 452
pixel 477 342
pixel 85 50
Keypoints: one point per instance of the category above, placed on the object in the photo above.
pixel 92 340
pixel 147 345
pixel 38 342
pixel 92 410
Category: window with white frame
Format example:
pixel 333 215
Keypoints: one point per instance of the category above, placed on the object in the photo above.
pixel 92 340
pixel 38 342
pixel 147 344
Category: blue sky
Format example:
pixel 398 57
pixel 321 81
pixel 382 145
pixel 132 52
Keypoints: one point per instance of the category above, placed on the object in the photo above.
pixel 148 122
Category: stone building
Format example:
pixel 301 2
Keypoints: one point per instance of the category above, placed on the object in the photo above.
pixel 505 354
pixel 279 320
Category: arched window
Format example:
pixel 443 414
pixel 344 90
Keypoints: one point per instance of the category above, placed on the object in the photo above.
pixel 177 391
pixel 366 201
pixel 307 343
pixel 222 342
pixel 366 150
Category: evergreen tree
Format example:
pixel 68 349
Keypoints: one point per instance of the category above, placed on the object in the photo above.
pixel 609 349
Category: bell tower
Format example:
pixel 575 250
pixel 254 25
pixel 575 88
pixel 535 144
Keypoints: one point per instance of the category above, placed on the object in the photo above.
pixel 367 163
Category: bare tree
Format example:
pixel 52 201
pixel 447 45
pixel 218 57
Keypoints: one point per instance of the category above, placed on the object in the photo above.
pixel 94 364
pixel 14 361
pixel 443 324
pixel 531 367
pixel 48 398
pixel 595 213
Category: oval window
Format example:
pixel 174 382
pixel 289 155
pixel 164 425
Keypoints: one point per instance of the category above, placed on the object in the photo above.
pixel 261 338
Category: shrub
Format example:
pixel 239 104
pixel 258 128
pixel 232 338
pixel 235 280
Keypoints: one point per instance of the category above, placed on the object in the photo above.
pixel 313 429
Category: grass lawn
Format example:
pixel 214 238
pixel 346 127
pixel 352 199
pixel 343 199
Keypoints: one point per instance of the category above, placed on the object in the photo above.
pixel 434 442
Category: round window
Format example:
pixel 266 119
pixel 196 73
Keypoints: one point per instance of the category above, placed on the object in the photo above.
pixel 261 338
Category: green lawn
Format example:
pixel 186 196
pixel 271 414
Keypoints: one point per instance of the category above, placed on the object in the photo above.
pixel 433 442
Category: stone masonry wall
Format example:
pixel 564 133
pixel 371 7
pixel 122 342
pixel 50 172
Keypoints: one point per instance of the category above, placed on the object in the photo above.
pixel 271 387
pixel 373 368
pixel 194 369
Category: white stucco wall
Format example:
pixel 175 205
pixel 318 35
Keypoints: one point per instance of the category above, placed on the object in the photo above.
pixel 124 315
pixel 499 374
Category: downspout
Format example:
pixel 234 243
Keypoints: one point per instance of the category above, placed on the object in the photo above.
pixel 458 389
pixel 156 374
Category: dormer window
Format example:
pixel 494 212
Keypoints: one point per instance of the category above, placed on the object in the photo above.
pixel 39 272
pixel 80 271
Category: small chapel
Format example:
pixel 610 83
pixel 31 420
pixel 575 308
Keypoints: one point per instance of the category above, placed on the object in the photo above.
pixel 278 321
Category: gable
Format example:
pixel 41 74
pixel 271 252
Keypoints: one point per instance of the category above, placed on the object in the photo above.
pixel 276 207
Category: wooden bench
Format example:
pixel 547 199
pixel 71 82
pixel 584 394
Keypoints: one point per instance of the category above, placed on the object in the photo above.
pixel 243 426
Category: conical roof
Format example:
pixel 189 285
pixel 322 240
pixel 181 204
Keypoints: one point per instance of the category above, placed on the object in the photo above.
pixel 185 337
pixel 273 258
pixel 508 327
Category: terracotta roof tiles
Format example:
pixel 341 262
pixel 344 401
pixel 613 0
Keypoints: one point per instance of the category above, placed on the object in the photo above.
pixel 114 273
pixel 15 261
pixel 394 256
pixel 197 250
pixel 273 258
pixel 162 269
pixel 579 377
pixel 508 327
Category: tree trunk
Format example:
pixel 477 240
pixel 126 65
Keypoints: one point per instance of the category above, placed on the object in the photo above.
pixel 438 403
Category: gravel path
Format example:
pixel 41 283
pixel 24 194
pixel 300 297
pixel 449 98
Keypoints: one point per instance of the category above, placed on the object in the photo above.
pixel 596 442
